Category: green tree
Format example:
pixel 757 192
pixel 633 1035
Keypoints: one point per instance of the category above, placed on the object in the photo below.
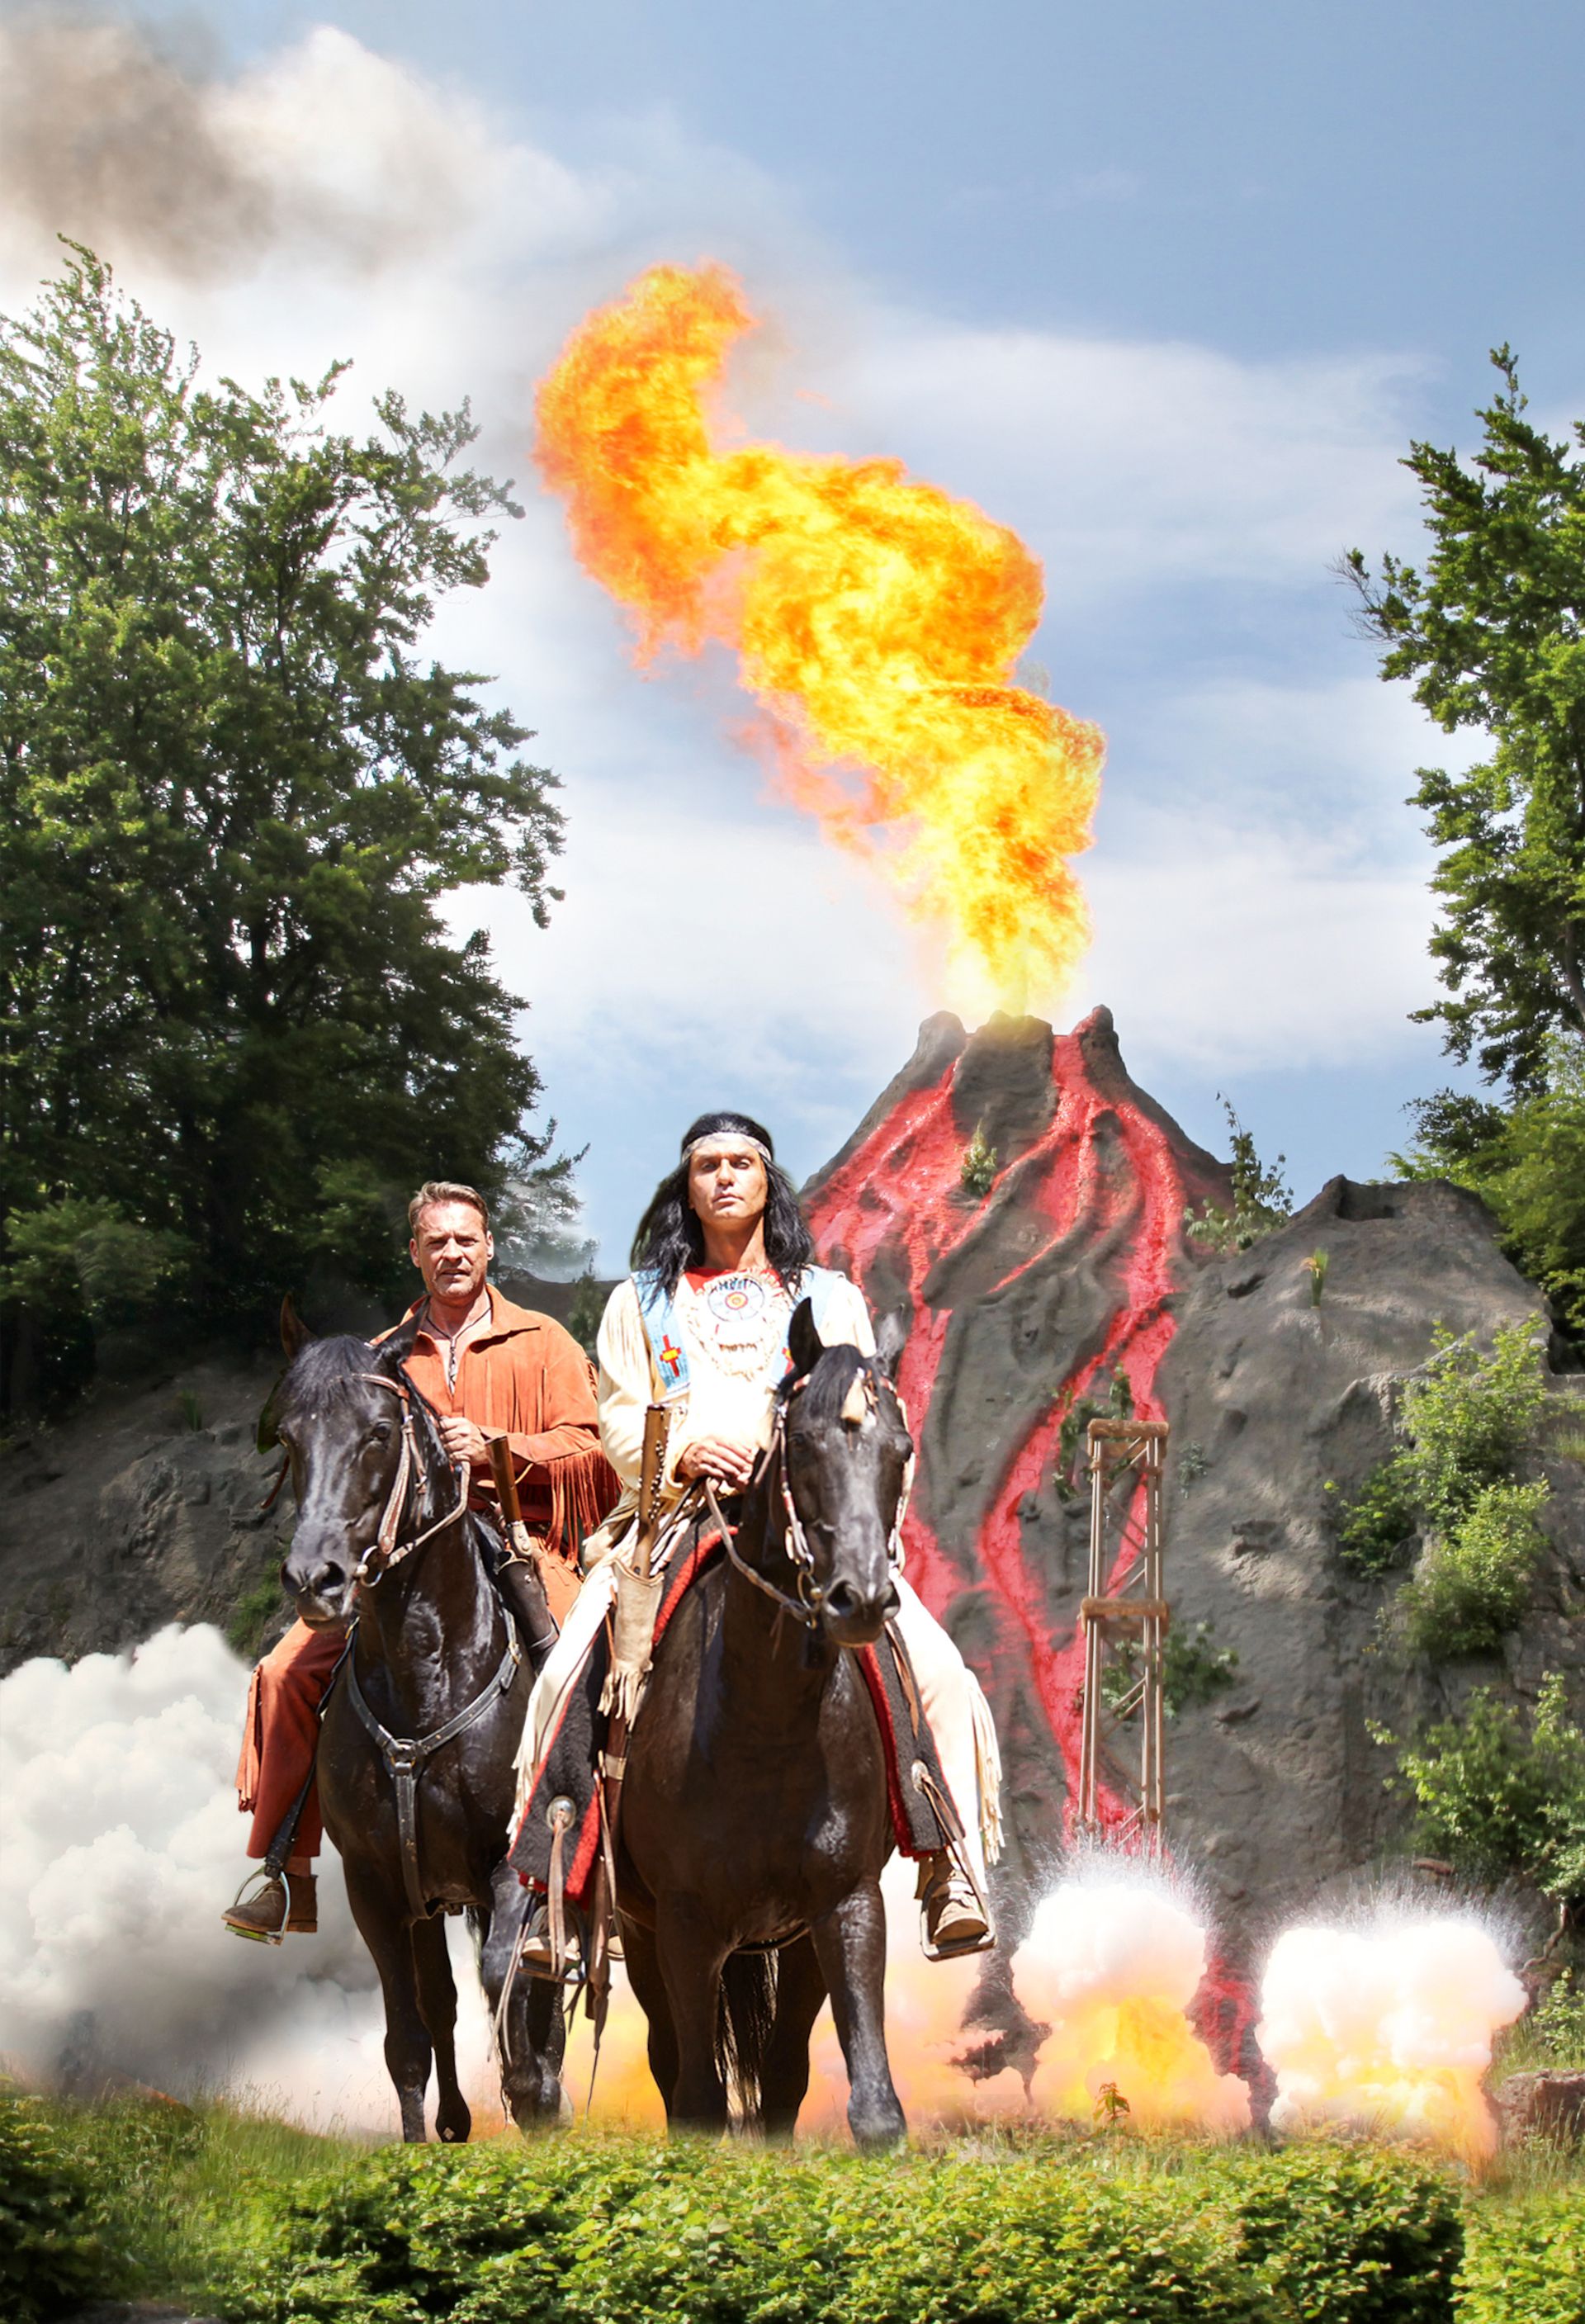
pixel 1527 1161
pixel 235 788
pixel 1499 1794
pixel 1491 633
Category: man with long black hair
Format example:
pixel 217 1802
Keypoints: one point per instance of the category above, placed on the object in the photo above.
pixel 721 1259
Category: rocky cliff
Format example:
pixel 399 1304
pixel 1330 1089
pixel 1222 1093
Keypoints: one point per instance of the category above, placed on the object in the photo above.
pixel 1060 1273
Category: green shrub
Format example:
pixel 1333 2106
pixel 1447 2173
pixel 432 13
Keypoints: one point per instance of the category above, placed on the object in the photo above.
pixel 54 2249
pixel 1464 1423
pixel 1380 1523
pixel 252 1611
pixel 1345 2235
pixel 1262 1199
pixel 1469 1418
pixel 1496 1801
pixel 1526 2266
pixel 1194 1668
pixel 1471 1587
pixel 1558 2025
pixel 977 1175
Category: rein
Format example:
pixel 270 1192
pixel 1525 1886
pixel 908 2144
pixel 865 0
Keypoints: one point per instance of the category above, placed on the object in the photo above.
pixel 805 1605
pixel 407 1755
pixel 386 1547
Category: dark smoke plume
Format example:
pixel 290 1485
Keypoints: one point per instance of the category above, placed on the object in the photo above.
pixel 116 135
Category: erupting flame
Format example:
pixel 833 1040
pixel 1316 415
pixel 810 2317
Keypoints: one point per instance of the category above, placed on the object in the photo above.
pixel 1389 2027
pixel 1110 1964
pixel 876 621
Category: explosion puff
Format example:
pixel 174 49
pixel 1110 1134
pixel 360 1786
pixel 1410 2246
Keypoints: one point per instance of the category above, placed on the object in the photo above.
pixel 1390 2027
pixel 1111 1964
pixel 877 620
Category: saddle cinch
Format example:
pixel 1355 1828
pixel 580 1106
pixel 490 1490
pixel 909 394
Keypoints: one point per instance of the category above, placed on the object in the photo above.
pixel 568 1790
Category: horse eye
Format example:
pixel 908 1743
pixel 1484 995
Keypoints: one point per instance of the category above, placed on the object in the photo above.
pixel 381 1433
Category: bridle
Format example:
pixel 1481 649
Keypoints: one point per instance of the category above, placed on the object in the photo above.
pixel 805 1605
pixel 385 1547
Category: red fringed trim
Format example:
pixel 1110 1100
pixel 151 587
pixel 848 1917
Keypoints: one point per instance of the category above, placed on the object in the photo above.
pixel 584 1489
pixel 249 1764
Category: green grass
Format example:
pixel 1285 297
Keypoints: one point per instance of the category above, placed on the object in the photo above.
pixel 242 2218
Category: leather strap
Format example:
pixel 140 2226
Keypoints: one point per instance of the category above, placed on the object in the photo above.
pixel 407 1755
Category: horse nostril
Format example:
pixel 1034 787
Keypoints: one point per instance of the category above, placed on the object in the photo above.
pixel 891 1602
pixel 841 1600
pixel 326 1582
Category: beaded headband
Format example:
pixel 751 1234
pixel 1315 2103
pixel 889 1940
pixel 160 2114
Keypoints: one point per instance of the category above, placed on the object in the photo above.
pixel 725 1137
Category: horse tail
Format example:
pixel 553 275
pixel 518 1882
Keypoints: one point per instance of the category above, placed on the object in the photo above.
pixel 745 2013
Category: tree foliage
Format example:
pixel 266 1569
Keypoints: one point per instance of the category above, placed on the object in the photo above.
pixel 1502 1797
pixel 235 1031
pixel 1526 1161
pixel 1492 634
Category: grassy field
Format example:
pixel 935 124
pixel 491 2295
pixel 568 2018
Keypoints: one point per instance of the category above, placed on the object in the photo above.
pixel 247 2218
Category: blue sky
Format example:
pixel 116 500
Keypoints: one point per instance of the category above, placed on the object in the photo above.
pixel 1168 290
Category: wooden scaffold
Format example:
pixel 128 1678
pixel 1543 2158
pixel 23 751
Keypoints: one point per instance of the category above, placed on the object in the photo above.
pixel 1124 1617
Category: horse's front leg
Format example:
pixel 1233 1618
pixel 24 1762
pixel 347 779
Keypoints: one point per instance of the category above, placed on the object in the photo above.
pixel 533 2032
pixel 851 1945
pixel 381 1918
pixel 689 1956
pixel 437 2002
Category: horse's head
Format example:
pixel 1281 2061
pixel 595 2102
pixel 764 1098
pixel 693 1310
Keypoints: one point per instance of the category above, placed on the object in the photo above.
pixel 847 1449
pixel 341 1431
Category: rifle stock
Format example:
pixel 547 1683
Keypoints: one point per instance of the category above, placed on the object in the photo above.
pixel 504 1477
pixel 651 1470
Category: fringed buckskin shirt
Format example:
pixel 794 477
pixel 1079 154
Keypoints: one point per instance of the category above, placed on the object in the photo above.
pixel 527 1376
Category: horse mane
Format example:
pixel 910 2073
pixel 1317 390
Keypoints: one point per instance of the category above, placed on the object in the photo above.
pixel 826 1386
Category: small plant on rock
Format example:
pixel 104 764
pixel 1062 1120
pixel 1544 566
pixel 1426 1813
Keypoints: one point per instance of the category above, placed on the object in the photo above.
pixel 1262 1198
pixel 978 1174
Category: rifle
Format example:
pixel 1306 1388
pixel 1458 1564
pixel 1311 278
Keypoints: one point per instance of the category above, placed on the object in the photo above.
pixel 512 1508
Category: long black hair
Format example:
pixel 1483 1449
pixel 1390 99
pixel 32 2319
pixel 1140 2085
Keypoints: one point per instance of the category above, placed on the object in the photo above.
pixel 670 1239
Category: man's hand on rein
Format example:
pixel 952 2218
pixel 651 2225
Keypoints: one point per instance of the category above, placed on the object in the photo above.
pixel 720 1460
pixel 463 1440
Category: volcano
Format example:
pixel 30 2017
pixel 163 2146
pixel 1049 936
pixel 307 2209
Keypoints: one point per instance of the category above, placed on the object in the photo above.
pixel 1022 1205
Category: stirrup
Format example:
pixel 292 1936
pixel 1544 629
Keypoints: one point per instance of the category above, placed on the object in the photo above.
pixel 955 1948
pixel 534 1954
pixel 260 1936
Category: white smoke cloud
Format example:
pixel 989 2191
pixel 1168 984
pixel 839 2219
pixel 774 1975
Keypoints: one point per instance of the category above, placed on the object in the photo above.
pixel 121 1845
pixel 1388 2025
pixel 1113 1958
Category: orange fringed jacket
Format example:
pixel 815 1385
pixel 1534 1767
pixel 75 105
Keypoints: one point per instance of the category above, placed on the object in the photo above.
pixel 528 1375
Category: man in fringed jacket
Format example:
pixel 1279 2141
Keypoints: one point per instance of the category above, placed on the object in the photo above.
pixel 488 1368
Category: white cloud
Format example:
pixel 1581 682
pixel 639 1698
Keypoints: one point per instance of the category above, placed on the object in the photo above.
pixel 1258 887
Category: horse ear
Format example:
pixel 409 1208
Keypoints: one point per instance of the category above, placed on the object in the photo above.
pixel 266 1438
pixel 889 1342
pixel 295 1334
pixel 804 1344
pixel 393 1352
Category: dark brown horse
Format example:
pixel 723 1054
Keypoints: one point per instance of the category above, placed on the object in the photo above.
pixel 383 1533
pixel 754 1816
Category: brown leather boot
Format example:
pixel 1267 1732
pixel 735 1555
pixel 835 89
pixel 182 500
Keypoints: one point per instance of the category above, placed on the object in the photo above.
pixel 277 1909
pixel 956 1921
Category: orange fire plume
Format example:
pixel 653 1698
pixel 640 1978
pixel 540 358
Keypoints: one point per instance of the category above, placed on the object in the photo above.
pixel 876 621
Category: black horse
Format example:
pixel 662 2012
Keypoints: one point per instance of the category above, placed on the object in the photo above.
pixel 754 1818
pixel 384 1532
